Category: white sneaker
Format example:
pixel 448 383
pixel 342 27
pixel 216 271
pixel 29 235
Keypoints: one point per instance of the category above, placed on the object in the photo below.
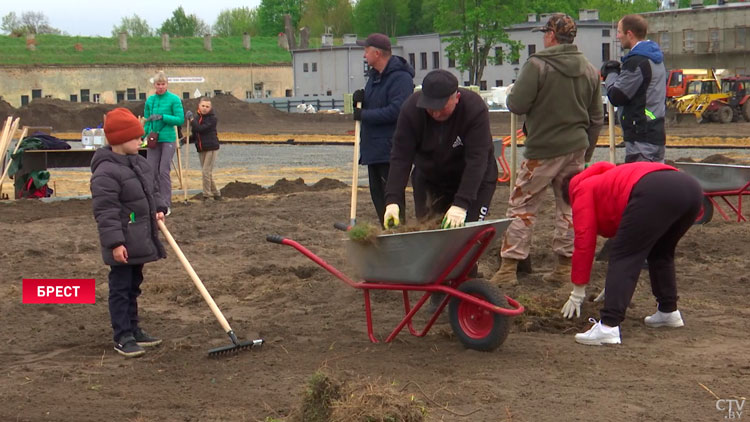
pixel 169 211
pixel 664 319
pixel 599 334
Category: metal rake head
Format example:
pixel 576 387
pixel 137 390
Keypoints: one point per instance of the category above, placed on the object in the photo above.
pixel 235 348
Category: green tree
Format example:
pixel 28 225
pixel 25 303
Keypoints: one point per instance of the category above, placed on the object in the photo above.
pixel 613 10
pixel 135 27
pixel 271 15
pixel 232 22
pixel 182 25
pixel 474 28
pixel 28 23
pixel 318 15
pixel 390 17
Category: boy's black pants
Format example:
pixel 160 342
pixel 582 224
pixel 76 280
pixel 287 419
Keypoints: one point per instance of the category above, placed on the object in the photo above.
pixel 124 289
pixel 662 207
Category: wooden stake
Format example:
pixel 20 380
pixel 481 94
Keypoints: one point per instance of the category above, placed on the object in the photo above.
pixel 187 158
pixel 15 149
pixel 611 112
pixel 355 172
pixel 178 167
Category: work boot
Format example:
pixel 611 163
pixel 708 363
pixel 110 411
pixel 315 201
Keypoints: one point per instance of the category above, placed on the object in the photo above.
pixel 561 273
pixel 506 275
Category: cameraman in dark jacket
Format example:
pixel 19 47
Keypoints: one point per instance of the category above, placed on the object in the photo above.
pixel 389 84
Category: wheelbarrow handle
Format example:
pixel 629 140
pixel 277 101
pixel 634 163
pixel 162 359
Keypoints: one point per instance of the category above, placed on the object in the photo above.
pixel 275 238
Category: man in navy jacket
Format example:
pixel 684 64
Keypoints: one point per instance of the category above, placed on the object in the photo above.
pixel 389 84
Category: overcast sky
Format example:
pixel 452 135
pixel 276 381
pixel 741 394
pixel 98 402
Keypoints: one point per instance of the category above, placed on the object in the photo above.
pixel 97 17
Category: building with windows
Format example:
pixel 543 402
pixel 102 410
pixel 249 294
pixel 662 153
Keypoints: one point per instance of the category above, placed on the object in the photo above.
pixel 716 36
pixel 341 69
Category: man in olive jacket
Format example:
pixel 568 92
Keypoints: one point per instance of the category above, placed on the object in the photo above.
pixel 559 92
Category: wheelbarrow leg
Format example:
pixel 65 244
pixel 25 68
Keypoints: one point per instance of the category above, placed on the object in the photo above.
pixel 368 313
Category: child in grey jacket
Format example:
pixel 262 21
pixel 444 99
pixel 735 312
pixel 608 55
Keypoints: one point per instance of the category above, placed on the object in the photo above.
pixel 126 205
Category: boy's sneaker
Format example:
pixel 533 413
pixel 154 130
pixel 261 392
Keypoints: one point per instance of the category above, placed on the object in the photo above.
pixel 599 334
pixel 664 319
pixel 128 347
pixel 144 340
pixel 169 211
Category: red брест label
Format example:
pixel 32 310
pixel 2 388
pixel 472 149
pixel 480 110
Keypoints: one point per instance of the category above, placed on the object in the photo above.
pixel 59 290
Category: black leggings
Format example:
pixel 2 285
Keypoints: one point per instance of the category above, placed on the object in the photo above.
pixel 662 207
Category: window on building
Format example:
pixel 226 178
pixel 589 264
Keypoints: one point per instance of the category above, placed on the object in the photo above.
pixel 498 55
pixel 328 92
pixel 185 95
pixel 85 96
pixel 268 93
pixel 142 96
pixel 131 94
pixel 688 40
pixel 412 61
pixel 466 83
pixel 423 60
pixel 24 100
pixel 97 98
pixel 120 96
pixel 258 90
pixel 451 62
pixel 664 41
pixel 739 37
pixel 315 67
pixel 532 49
pixel 714 42
pixel 73 98
pixel 513 81
pixel 304 67
pixel 288 93
pixel 498 82
pixel 605 32
pixel 36 93
pixel 605 51
pixel 517 55
pixel 248 95
pixel 435 60
pixel 217 92
pixel 483 85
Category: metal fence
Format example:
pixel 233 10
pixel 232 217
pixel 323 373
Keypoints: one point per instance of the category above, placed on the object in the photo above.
pixel 291 104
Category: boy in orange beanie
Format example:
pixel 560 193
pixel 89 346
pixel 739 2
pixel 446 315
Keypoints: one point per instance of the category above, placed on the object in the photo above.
pixel 126 204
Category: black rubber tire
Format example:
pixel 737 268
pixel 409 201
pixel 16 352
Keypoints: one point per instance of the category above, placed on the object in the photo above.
pixel 706 213
pixel 725 114
pixel 746 110
pixel 496 326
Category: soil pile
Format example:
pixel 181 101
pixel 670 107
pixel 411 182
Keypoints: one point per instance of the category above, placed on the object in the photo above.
pixel 239 189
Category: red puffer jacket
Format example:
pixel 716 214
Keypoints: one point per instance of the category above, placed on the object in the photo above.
pixel 598 197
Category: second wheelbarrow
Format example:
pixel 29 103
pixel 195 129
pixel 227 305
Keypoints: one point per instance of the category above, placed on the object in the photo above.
pixel 432 262
pixel 719 181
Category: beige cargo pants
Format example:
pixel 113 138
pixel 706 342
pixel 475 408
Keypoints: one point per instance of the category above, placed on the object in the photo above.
pixel 532 180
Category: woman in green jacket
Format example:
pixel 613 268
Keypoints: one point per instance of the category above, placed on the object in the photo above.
pixel 163 112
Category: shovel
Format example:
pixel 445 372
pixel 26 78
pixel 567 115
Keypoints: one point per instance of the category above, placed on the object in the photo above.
pixel 236 344
pixel 355 172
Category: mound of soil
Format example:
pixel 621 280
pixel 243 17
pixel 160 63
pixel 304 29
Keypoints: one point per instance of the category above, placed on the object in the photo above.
pixel 239 189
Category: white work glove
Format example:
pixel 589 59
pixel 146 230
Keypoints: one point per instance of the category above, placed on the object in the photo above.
pixel 573 305
pixel 600 297
pixel 455 217
pixel 390 218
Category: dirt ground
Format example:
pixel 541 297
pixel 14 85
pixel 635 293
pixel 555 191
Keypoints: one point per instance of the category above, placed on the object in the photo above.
pixel 57 362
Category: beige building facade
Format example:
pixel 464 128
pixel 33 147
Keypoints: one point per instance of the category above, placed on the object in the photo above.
pixel 115 83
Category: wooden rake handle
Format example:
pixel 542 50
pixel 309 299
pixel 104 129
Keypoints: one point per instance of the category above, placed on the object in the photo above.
pixel 196 280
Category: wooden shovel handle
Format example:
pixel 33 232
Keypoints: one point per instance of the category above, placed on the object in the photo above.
pixel 355 171
pixel 196 280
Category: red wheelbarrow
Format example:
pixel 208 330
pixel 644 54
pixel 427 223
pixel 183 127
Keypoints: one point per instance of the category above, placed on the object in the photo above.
pixel 431 261
pixel 719 181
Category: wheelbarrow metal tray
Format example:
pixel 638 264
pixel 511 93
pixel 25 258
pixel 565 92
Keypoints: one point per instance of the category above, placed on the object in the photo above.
pixel 717 177
pixel 417 257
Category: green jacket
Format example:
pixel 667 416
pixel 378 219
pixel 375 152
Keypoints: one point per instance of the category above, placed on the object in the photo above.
pixel 559 92
pixel 172 114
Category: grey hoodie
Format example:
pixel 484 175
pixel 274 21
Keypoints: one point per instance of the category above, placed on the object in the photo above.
pixel 558 90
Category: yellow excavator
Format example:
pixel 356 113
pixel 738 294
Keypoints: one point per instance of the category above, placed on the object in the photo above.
pixel 704 101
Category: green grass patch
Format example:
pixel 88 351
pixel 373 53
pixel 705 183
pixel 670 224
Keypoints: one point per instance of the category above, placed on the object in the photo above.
pixel 61 50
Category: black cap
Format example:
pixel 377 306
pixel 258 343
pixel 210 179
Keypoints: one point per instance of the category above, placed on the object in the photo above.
pixel 376 40
pixel 437 87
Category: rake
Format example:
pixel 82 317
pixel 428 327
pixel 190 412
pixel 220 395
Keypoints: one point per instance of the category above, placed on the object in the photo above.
pixel 236 345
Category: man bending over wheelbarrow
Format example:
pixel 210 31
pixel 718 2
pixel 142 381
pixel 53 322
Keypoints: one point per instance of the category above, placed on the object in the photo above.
pixel 444 132
pixel 645 208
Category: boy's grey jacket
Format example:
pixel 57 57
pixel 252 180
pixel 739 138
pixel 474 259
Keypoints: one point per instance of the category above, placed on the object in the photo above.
pixel 121 185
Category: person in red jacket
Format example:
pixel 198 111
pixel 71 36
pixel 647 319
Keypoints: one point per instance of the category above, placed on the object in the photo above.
pixel 645 208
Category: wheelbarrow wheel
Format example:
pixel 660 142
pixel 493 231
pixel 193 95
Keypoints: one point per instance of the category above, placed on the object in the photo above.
pixel 706 213
pixel 476 326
